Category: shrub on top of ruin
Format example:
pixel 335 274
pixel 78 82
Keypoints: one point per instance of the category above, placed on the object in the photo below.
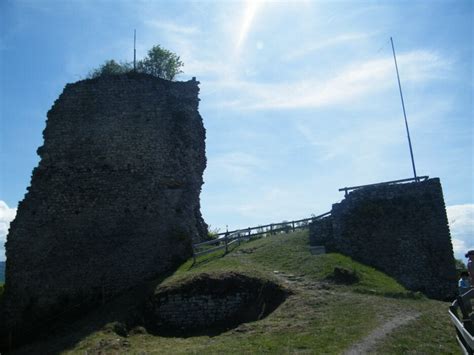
pixel 159 62
pixel 110 67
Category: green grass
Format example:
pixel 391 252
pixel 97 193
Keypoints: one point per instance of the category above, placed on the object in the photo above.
pixel 290 253
pixel 431 333
pixel 319 317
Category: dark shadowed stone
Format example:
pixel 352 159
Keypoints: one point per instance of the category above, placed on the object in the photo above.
pixel 401 230
pixel 345 276
pixel 114 200
pixel 120 329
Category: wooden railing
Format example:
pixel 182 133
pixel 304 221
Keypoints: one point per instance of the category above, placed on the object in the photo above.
pixel 464 322
pixel 417 179
pixel 224 240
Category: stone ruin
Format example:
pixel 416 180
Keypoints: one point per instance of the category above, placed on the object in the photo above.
pixel 400 229
pixel 208 304
pixel 114 200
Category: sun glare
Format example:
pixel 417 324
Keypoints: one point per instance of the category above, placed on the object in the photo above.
pixel 251 8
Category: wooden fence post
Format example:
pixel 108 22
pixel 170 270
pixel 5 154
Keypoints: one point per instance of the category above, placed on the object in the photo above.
pixel 271 229
pixel 225 241
pixel 293 225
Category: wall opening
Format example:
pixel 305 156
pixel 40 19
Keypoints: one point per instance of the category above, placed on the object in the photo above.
pixel 211 304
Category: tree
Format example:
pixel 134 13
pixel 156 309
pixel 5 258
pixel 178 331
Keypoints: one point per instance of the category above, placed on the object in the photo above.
pixel 110 67
pixel 161 63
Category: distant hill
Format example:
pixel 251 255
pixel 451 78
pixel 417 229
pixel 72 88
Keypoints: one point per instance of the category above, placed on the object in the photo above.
pixel 2 271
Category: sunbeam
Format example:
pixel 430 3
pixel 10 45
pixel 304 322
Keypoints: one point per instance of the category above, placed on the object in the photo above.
pixel 251 8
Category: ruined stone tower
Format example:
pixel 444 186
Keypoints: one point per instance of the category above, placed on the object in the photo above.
pixel 401 230
pixel 114 200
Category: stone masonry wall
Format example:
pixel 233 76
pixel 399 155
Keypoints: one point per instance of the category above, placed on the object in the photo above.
pixel 114 200
pixel 198 311
pixel 212 301
pixel 401 230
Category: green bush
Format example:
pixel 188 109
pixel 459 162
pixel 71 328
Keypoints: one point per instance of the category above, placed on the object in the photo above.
pixel 111 67
pixel 159 62
pixel 212 233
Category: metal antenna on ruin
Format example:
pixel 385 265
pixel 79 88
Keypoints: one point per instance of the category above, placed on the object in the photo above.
pixel 134 50
pixel 404 112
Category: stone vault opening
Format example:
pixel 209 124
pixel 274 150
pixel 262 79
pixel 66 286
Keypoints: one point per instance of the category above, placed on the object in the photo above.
pixel 210 304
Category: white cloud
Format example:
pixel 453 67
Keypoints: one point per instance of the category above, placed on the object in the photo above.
pixel 461 223
pixel 273 204
pixel 200 68
pixel 235 166
pixel 319 45
pixel 172 27
pixel 7 215
pixel 337 145
pixel 353 83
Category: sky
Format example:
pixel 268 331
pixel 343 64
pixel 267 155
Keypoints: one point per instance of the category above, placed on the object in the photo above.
pixel 298 98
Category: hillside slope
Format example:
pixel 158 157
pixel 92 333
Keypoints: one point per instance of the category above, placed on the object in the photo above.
pixel 322 315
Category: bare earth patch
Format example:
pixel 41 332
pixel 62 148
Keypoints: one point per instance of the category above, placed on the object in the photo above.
pixel 368 344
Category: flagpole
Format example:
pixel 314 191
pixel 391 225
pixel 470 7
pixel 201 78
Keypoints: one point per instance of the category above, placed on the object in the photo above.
pixel 404 112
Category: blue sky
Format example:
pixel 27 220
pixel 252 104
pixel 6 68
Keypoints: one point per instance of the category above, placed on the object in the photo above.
pixel 298 98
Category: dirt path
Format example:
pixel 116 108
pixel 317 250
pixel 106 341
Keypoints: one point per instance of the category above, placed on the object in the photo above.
pixel 368 344
pixel 365 345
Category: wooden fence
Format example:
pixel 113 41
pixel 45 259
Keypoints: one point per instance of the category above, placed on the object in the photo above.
pixel 417 179
pixel 224 240
pixel 464 321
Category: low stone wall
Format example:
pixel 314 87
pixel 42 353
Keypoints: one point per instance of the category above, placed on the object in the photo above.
pixel 181 312
pixel 401 230
pixel 213 302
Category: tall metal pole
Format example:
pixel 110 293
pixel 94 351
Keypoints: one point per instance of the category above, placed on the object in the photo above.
pixel 134 50
pixel 404 112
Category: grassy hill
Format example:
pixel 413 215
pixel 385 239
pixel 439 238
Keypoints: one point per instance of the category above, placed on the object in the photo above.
pixel 322 315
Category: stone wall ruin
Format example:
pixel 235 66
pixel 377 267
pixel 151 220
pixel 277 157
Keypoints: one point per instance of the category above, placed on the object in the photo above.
pixel 209 304
pixel 401 230
pixel 114 200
